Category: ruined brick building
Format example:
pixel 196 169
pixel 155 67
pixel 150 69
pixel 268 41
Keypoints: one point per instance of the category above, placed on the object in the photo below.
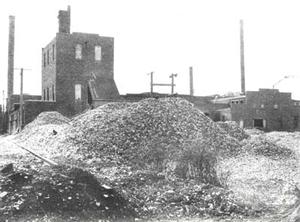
pixel 77 73
pixel 78 69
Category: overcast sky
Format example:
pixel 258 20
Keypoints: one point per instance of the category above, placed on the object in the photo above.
pixel 167 36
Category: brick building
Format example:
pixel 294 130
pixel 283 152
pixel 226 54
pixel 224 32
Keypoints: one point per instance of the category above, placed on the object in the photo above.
pixel 266 109
pixel 78 69
pixel 32 106
pixel 77 73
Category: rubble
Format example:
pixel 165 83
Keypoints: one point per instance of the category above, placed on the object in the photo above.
pixel 287 139
pixel 233 130
pixel 260 145
pixel 167 137
pixel 129 128
pixel 169 160
pixel 265 175
pixel 60 189
pixel 254 131
pixel 44 118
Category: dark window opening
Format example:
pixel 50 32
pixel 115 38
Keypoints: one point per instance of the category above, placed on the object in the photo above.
pixel 47 94
pixel 90 100
pixel 44 94
pixel 48 61
pixel 259 123
pixel 53 93
pixel 44 59
pixel 53 52
pixel 296 121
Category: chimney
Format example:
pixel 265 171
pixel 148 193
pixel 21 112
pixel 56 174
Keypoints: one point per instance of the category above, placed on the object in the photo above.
pixel 242 58
pixel 191 82
pixel 64 20
pixel 11 49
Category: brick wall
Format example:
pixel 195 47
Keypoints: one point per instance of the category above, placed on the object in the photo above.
pixel 66 71
pixel 274 107
pixel 33 108
pixel 48 70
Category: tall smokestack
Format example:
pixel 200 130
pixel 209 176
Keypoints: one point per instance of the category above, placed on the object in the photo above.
pixel 11 49
pixel 191 82
pixel 64 21
pixel 243 90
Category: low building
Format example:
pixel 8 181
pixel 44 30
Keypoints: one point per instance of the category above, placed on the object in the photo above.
pixel 266 109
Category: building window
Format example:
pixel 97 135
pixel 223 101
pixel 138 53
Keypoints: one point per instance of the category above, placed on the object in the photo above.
pixel 98 53
pixel 77 92
pixel 47 95
pixel 50 94
pixel 241 123
pixel 53 52
pixel 276 106
pixel 44 94
pixel 296 122
pixel 48 59
pixel 78 51
pixel 258 123
pixel 53 93
pixel 44 59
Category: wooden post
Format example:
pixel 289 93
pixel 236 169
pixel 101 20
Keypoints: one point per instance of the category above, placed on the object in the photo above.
pixel 151 82
pixel 172 82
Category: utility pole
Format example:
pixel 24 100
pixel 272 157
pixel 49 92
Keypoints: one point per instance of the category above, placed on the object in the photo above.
pixel 162 84
pixel 172 76
pixel 3 112
pixel 191 82
pixel 151 82
pixel 3 100
pixel 21 98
